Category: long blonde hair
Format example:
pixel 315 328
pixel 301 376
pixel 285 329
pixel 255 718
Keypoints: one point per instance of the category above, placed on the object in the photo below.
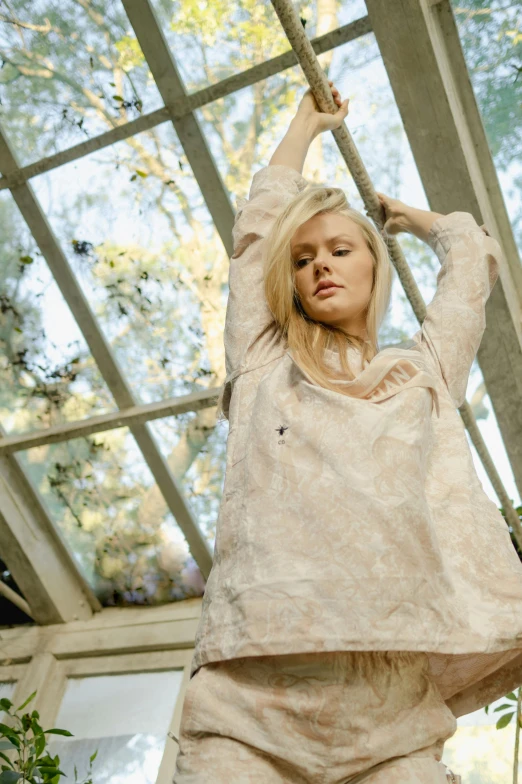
pixel 307 338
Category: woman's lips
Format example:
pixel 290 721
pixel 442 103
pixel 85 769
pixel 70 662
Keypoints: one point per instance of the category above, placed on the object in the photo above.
pixel 327 292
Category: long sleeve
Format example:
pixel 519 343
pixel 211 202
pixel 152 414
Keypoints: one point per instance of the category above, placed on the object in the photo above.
pixel 456 319
pixel 251 338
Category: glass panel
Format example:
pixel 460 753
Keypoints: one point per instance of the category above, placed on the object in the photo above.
pixel 71 70
pixel 479 752
pixel 194 446
pixel 125 718
pixel 102 496
pixel 6 690
pixel 148 258
pixel 212 41
pixel 47 373
pixel 491 38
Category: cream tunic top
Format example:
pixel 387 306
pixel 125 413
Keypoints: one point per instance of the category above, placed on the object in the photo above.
pixel 364 526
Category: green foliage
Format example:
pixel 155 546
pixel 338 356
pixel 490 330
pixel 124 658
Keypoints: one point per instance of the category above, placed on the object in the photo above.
pixel 24 750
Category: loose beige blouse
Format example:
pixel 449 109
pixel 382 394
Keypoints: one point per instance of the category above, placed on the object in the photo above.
pixel 364 526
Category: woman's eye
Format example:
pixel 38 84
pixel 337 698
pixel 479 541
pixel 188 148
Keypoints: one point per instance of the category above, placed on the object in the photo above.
pixel 302 262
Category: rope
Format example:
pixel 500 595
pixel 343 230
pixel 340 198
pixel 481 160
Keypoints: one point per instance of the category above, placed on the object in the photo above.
pixel 318 82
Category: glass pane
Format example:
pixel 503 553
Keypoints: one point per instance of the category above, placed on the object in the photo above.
pixel 125 718
pixel 47 373
pixel 148 258
pixel 215 40
pixel 479 752
pixel 491 38
pixel 70 71
pixel 102 496
pixel 194 445
pixel 6 690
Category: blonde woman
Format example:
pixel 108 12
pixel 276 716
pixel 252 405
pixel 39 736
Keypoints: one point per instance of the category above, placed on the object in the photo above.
pixel 365 591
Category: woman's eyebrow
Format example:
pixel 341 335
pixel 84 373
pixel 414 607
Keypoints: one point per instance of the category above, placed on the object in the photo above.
pixel 303 245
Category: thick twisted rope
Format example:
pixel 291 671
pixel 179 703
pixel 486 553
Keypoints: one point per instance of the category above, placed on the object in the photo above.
pixel 318 82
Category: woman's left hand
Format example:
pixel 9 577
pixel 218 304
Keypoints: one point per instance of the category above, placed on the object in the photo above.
pixel 396 214
pixel 319 121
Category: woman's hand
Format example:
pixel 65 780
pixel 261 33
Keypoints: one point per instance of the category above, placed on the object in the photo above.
pixel 401 217
pixel 395 212
pixel 308 111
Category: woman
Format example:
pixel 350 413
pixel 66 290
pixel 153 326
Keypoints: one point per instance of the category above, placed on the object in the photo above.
pixel 364 590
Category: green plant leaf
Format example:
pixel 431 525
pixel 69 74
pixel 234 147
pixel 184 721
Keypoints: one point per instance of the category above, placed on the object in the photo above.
pixel 26 260
pixel 503 707
pixel 10 734
pixel 504 720
pixel 511 696
pixel 59 732
pixel 28 700
pixel 9 777
pixel 5 704
pixel 46 770
pixel 6 745
pixel 39 744
pixel 6 758
pixel 93 756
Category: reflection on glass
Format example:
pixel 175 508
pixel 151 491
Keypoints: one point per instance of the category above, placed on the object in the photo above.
pixel 70 71
pixel 47 373
pixel 125 718
pixel 143 245
pixel 102 496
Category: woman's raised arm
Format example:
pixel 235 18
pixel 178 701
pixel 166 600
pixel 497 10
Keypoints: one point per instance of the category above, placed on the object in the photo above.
pixel 455 319
pixel 250 335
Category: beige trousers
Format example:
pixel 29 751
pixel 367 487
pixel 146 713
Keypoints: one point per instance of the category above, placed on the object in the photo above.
pixel 314 718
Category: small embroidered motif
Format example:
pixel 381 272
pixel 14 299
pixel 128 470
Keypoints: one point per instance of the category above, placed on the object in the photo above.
pixel 281 429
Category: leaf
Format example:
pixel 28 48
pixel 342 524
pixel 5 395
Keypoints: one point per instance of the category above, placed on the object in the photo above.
pixel 47 770
pixel 28 700
pixel 503 707
pixel 117 97
pixel 141 173
pixel 5 704
pixel 40 744
pixel 511 696
pixel 59 732
pixel 504 720
pixel 6 745
pixel 93 756
pixel 9 777
pixel 26 260
pixel 4 757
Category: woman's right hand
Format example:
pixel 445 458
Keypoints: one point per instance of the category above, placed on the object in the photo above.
pixel 308 111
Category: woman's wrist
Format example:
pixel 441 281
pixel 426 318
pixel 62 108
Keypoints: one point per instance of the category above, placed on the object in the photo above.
pixel 293 147
pixel 419 222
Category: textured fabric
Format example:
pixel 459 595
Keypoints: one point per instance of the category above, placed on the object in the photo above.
pixel 321 718
pixel 365 526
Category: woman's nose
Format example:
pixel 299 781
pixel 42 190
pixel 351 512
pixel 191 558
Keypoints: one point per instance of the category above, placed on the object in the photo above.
pixel 320 265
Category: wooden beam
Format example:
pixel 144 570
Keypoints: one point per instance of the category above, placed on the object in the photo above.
pixel 111 632
pixel 36 555
pixel 134 415
pixel 421 50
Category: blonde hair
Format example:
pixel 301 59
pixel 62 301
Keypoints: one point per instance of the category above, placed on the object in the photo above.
pixel 307 338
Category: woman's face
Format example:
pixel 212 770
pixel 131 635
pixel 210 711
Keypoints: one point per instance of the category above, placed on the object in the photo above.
pixel 332 248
